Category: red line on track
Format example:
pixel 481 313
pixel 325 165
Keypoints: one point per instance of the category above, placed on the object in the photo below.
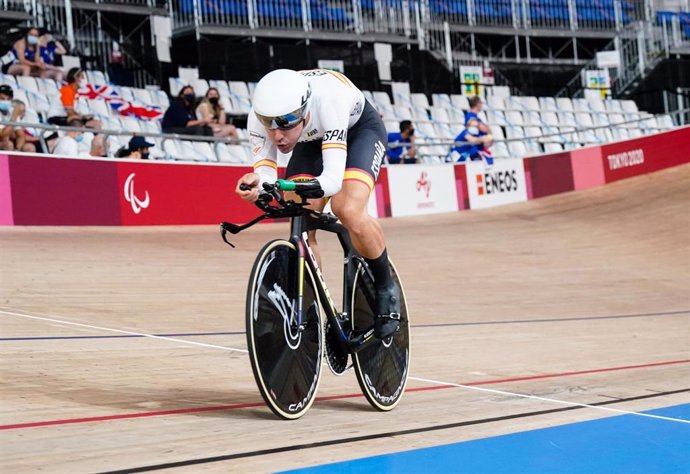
pixel 581 372
pixel 236 406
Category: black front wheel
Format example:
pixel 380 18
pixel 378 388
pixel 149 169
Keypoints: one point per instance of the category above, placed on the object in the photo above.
pixel 382 367
pixel 285 349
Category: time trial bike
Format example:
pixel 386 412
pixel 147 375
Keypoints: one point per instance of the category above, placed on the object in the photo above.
pixel 287 297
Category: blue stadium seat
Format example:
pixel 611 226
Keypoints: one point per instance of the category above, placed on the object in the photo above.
pixel 186 6
pixel 321 11
pixel 287 9
pixel 443 7
pixel 232 7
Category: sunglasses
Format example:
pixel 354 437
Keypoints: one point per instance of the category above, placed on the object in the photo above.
pixel 282 122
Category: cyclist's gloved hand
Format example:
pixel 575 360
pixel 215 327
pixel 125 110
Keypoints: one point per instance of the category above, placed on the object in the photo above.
pixel 248 187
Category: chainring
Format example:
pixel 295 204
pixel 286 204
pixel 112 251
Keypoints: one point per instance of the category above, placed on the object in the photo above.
pixel 335 357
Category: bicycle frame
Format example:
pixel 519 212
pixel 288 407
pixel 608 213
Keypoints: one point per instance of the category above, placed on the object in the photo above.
pixel 299 227
pixel 302 221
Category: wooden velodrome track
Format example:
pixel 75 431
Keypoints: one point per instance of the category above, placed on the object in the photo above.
pixel 577 298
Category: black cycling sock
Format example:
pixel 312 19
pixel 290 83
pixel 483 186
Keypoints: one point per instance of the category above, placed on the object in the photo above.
pixel 380 268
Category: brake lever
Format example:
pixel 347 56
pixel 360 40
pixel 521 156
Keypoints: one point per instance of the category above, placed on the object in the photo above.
pixel 224 228
pixel 232 228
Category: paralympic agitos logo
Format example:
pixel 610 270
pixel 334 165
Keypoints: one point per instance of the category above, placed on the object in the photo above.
pixel 130 197
pixel 497 182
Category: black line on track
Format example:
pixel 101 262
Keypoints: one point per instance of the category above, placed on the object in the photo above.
pixel 432 325
pixel 354 439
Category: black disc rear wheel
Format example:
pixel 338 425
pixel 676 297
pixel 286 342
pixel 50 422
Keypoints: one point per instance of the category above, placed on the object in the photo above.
pixel 382 367
pixel 285 355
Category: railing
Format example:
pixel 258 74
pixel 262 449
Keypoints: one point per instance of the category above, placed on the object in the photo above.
pixel 547 14
pixel 678 103
pixel 398 16
pixel 13 5
pixel 641 46
pixel 569 139
pixel 139 3
pixel 84 31
pixel 215 142
pixel 343 16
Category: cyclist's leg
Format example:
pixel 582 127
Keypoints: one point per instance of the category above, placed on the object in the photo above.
pixel 364 157
pixel 350 205
pixel 365 153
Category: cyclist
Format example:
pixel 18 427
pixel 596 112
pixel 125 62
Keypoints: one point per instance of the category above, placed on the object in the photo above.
pixel 337 138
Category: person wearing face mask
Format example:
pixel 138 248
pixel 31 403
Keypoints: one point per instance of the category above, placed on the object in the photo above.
pixel 470 144
pixel 27 60
pixel 181 116
pixel 210 110
pixel 12 137
pixel 476 104
pixel 139 148
pixel 402 153
pixel 49 49
pixel 68 145
pixel 6 114
pixel 69 94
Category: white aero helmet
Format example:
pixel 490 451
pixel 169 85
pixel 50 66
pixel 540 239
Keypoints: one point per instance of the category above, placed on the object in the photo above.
pixel 281 99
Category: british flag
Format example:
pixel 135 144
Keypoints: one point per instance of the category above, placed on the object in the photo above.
pixel 118 104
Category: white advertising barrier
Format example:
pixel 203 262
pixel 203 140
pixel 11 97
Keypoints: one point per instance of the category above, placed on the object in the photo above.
pixel 502 183
pixel 422 189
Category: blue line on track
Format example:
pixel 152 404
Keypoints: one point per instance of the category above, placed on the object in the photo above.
pixel 626 443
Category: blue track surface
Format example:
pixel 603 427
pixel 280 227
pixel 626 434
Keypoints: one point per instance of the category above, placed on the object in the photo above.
pixel 619 444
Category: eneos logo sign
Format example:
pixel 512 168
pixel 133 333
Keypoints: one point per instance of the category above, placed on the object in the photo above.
pixel 502 183
pixel 497 182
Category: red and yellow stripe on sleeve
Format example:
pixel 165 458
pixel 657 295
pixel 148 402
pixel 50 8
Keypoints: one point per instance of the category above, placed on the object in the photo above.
pixel 268 163
pixel 358 175
pixel 334 146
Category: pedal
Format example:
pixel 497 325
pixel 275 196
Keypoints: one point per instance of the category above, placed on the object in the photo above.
pixel 335 357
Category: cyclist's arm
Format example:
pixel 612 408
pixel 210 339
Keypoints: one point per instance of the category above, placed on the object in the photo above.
pixel 264 152
pixel 335 119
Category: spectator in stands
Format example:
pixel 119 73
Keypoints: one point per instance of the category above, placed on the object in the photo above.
pixel 211 111
pixel 470 144
pixel 138 148
pixel 99 146
pixel 476 104
pixel 402 153
pixel 12 137
pixel 181 117
pixel 68 145
pixel 69 94
pixel 27 60
pixel 49 49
